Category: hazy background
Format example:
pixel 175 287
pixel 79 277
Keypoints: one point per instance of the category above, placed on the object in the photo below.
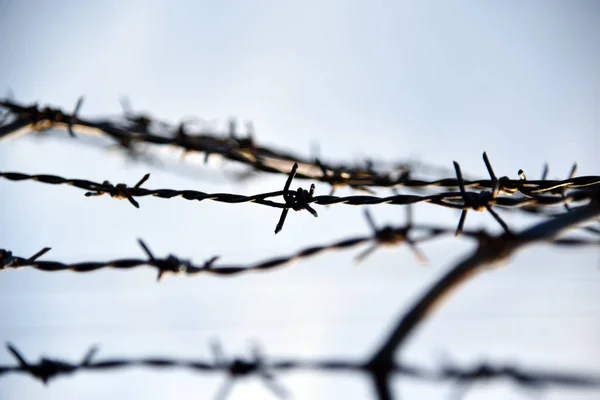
pixel 435 81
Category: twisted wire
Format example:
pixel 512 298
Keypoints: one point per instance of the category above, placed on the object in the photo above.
pixel 446 199
pixel 246 151
pixel 258 366
pixel 533 196
pixel 386 236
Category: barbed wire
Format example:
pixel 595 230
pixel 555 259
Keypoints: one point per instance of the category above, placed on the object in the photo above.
pixel 532 198
pixel 245 150
pixel 387 236
pixel 257 365
pixel 479 195
pixel 138 129
pixel 381 366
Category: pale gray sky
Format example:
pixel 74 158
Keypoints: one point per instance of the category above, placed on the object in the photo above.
pixel 436 80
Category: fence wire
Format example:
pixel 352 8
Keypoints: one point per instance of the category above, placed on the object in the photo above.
pixel 139 128
pixel 257 365
pixel 388 236
pixel 380 366
pixel 478 195
pixel 533 198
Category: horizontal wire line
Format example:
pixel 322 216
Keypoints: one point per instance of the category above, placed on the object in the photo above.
pixel 441 199
pixel 176 265
pixel 48 369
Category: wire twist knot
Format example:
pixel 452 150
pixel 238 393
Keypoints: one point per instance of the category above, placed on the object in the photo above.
pixel 297 201
pixel 479 201
pixel 238 368
pixel 173 264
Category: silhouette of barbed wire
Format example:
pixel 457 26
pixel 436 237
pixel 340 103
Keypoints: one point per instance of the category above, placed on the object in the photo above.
pixel 531 201
pixel 137 129
pixel 259 366
pixel 409 233
pixel 245 150
pixel 523 194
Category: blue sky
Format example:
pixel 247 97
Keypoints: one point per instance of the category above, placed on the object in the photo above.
pixel 438 81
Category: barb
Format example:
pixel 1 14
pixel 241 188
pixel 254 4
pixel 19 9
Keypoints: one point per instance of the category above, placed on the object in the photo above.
pixel 173 264
pixel 390 236
pixel 238 368
pixel 481 201
pixel 48 368
pixel 7 260
pixel 299 200
pixel 118 191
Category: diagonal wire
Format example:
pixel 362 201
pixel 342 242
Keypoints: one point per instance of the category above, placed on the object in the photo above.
pixel 491 250
pixel 247 151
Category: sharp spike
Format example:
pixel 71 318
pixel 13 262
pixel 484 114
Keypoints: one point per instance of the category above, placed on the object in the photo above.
pixel 365 253
pixel 461 222
pixel 279 226
pixel 370 220
pixel 488 165
pixel 497 218
pixel 146 250
pixel 141 182
pixel 459 179
pixel 17 355
pixel 545 172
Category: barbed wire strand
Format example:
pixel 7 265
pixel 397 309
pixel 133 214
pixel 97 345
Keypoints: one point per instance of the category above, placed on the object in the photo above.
pixel 257 365
pixel 137 129
pixel 245 151
pixel 388 236
pixel 302 199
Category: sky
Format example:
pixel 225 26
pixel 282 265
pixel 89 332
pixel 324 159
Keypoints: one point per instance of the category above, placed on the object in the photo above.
pixel 433 81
